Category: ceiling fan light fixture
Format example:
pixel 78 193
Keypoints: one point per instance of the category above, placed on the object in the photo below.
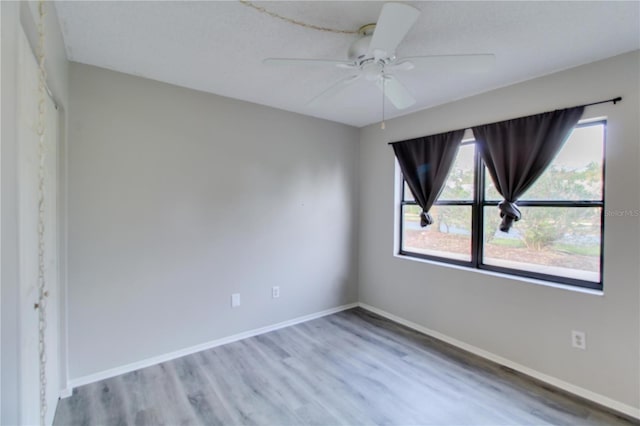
pixel 373 71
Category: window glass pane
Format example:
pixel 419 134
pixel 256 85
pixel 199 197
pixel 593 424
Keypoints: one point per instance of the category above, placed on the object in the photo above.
pixel 561 241
pixel 459 184
pixel 449 236
pixel 490 192
pixel 408 196
pixel 575 173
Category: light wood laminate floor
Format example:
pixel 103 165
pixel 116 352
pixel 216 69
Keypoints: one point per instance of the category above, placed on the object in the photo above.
pixel 350 368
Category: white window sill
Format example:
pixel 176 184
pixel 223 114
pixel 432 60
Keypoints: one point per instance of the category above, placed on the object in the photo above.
pixel 503 275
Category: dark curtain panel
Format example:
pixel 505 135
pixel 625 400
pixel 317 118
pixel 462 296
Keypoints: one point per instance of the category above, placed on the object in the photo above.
pixel 518 151
pixel 425 164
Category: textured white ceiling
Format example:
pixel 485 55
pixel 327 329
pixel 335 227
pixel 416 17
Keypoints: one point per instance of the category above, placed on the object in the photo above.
pixel 218 47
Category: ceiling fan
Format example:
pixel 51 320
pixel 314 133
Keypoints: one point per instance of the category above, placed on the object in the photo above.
pixel 373 57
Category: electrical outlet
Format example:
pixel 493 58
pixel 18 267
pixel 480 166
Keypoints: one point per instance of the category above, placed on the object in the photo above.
pixel 275 292
pixel 579 339
pixel 235 300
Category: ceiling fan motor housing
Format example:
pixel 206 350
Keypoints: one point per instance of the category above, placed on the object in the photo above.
pixel 359 48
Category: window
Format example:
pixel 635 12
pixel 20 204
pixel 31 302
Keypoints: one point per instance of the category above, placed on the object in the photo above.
pixel 559 237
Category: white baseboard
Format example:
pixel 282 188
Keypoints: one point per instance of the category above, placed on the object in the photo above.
pixel 66 393
pixel 553 381
pixel 116 371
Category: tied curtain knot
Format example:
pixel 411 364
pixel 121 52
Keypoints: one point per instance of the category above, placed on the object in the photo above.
pixel 425 219
pixel 509 212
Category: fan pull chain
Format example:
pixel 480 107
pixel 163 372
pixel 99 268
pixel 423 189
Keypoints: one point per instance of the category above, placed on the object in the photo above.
pixel 384 83
pixel 42 291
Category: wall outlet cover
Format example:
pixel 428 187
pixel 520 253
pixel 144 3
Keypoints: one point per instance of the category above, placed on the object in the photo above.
pixel 579 339
pixel 235 300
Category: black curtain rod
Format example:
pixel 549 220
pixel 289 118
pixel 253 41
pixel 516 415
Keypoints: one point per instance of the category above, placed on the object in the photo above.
pixel 614 100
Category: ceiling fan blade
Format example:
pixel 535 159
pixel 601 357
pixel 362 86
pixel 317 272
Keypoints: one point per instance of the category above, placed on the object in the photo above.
pixel 464 63
pixel 396 92
pixel 395 21
pixel 333 90
pixel 300 61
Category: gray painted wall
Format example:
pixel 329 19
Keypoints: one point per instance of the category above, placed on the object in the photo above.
pixel 527 323
pixel 177 199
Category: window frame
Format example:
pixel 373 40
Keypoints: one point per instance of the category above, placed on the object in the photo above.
pixel 478 205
